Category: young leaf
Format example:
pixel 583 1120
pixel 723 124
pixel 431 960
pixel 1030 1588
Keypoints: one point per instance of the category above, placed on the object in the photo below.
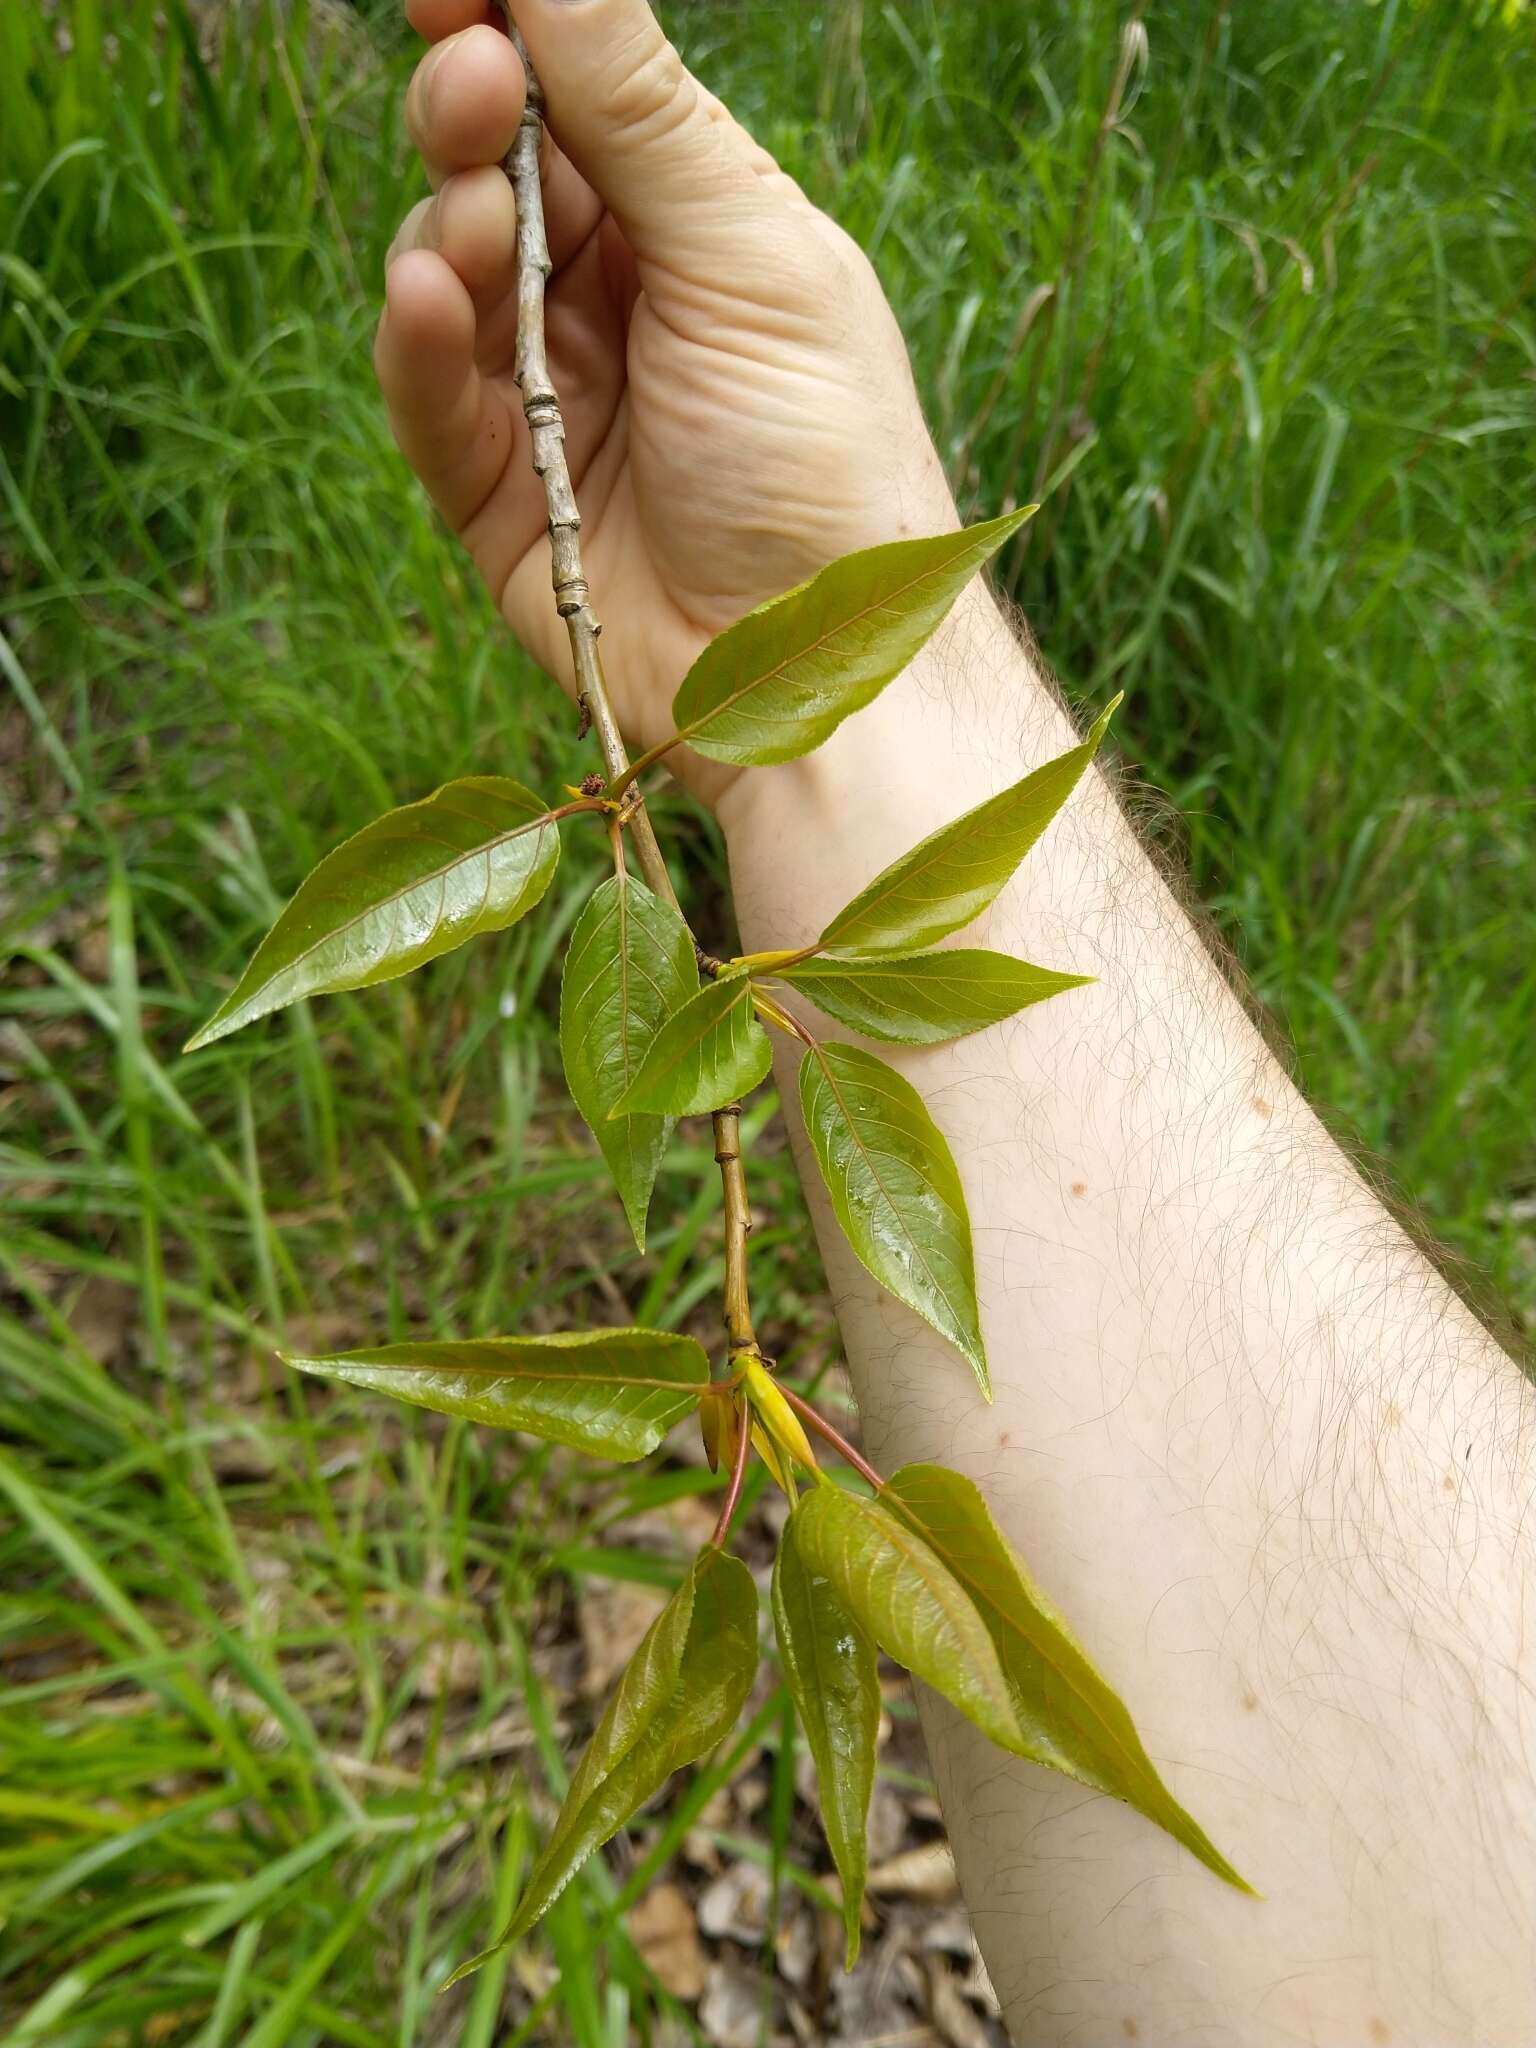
pixel 629 966
pixel 925 998
pixel 895 1189
pixel 950 877
pixel 774 685
pixel 830 1669
pixel 1068 1716
pixel 416 883
pixel 614 1393
pixel 902 1593
pixel 681 1692
pixel 706 1054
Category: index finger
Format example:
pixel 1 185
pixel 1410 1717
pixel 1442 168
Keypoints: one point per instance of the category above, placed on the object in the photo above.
pixel 435 19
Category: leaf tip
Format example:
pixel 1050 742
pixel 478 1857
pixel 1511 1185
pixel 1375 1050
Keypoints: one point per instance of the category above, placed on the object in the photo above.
pixel 467 1969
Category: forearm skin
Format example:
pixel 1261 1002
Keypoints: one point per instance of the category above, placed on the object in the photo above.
pixel 1274 1472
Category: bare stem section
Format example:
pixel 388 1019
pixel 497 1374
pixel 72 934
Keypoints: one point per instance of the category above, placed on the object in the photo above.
pixel 738 1222
pixel 546 431
pixel 573 599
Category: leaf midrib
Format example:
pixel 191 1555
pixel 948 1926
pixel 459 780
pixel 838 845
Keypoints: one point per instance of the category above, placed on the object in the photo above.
pixel 885 1195
pixel 811 647
pixel 432 875
pixel 973 1587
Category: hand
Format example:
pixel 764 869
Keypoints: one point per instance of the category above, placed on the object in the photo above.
pixel 738 403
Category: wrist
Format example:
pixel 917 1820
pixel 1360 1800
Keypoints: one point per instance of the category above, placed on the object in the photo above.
pixel 970 715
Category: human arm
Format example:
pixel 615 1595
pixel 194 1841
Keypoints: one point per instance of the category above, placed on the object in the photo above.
pixel 1229 1394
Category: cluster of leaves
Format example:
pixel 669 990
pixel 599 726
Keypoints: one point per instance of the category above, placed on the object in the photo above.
pixel 913 1565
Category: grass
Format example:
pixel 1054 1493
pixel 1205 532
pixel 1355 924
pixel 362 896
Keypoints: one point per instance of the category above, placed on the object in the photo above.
pixel 285 1686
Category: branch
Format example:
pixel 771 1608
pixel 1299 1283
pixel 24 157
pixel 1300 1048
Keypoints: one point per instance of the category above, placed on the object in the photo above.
pixel 573 600
pixel 738 1223
pixel 546 432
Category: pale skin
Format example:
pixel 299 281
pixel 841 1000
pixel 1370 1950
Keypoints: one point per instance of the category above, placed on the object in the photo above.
pixel 1273 1470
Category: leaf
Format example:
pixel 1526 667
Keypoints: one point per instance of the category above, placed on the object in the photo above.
pixel 895 1189
pixel 925 998
pixel 683 1690
pixel 779 681
pixel 707 1053
pixel 630 965
pixel 830 1669
pixel 1069 1718
pixel 614 1393
pixel 951 876
pixel 901 1592
pixel 416 883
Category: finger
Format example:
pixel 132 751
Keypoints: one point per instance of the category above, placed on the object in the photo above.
pixel 435 19
pixel 465 100
pixel 453 425
pixel 637 125
pixel 472 224
pixel 463 109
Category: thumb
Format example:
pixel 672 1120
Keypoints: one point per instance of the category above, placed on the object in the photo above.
pixel 678 177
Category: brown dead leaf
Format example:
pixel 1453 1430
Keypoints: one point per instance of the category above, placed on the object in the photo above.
pixel 952 2016
pixel 927 1873
pixel 729 2012
pixel 614 1615
pixel 451 1669
pixel 102 1316
pixel 735 1906
pixel 665 1932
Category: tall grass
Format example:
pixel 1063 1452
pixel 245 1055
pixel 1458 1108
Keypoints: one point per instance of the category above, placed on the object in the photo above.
pixel 286 1684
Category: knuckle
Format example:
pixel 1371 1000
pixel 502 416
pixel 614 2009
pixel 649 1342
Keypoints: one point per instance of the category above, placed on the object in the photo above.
pixel 651 94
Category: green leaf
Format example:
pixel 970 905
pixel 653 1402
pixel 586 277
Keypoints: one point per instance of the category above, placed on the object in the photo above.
pixel 630 965
pixel 470 858
pixel 681 1692
pixel 951 876
pixel 925 998
pixel 614 1393
pixel 707 1053
pixel 1069 1718
pixel 774 685
pixel 830 1669
pixel 895 1189
pixel 897 1588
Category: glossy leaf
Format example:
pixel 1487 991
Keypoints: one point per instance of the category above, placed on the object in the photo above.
pixel 680 1693
pixel 629 966
pixel 895 1189
pixel 898 1590
pixel 469 859
pixel 831 1671
pixel 779 681
pixel 614 1393
pixel 707 1054
pixel 1069 1717
pixel 950 877
pixel 925 998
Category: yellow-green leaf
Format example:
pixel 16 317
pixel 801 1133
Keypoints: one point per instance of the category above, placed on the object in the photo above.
pixel 614 1393
pixel 629 966
pixel 416 883
pixel 681 1692
pixel 705 1055
pixel 924 998
pixel 779 681
pixel 1069 1717
pixel 951 876
pixel 895 1189
pixel 830 1668
pixel 902 1593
